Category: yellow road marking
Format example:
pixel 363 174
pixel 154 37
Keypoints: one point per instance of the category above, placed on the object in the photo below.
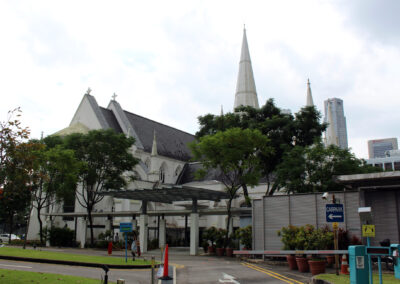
pixel 272 273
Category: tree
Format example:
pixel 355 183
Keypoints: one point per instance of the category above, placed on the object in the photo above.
pixel 283 130
pixel 311 168
pixel 55 179
pixel 16 163
pixel 235 153
pixel 105 157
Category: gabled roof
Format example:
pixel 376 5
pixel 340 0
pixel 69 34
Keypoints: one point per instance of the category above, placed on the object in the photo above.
pixel 171 142
pixel 111 120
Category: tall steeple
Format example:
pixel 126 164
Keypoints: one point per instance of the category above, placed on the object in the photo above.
pixel 246 94
pixel 310 101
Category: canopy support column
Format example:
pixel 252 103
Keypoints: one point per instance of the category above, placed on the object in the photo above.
pixel 143 223
pixel 194 229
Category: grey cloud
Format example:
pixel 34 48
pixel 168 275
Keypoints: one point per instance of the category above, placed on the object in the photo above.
pixel 376 19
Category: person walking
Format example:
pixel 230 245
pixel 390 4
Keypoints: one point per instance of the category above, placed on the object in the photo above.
pixel 133 249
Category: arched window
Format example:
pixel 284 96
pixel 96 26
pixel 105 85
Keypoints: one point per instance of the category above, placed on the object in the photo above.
pixel 163 170
pixel 147 163
pixel 178 170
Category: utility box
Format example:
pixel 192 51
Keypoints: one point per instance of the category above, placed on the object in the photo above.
pixel 358 262
pixel 395 252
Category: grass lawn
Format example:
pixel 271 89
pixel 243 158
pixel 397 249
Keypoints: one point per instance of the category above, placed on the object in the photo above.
pixel 8 251
pixel 345 279
pixel 22 277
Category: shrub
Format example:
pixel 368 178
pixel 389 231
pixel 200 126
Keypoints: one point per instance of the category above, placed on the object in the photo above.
pixel 288 237
pixel 244 235
pixel 220 238
pixel 210 235
pixel 61 237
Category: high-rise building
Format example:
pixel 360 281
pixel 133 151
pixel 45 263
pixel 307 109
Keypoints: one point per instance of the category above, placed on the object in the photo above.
pixel 378 148
pixel 336 132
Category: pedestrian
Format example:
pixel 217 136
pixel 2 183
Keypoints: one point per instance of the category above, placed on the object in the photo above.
pixel 116 238
pixel 133 249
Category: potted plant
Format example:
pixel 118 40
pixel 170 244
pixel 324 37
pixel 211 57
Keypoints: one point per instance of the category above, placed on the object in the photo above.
pixel 233 243
pixel 302 243
pixel 288 238
pixel 318 240
pixel 220 242
pixel 210 234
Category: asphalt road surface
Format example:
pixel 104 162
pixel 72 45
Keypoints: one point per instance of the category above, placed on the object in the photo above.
pixel 189 270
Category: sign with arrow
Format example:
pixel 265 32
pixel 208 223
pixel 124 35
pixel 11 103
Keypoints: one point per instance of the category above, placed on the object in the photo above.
pixel 334 213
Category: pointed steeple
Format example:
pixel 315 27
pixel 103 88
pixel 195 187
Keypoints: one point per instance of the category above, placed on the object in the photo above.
pixel 154 151
pixel 331 137
pixel 310 101
pixel 246 94
pixel 222 110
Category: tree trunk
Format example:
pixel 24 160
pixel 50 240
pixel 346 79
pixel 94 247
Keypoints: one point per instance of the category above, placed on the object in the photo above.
pixel 246 195
pixel 11 219
pixel 89 210
pixel 40 226
pixel 229 221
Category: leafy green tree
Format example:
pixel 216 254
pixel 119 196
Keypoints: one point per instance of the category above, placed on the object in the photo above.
pixel 311 168
pixel 55 178
pixel 105 158
pixel 16 164
pixel 235 153
pixel 283 130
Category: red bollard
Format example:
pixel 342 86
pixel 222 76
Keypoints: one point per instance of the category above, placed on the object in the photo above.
pixel 109 248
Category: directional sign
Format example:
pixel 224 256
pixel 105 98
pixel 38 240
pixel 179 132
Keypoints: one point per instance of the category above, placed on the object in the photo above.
pixel 125 227
pixel 334 213
pixel 368 231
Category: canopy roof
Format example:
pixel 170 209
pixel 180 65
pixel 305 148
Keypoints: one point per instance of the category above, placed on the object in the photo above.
pixel 372 180
pixel 169 194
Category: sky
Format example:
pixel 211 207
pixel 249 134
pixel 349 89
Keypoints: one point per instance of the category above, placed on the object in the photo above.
pixel 172 61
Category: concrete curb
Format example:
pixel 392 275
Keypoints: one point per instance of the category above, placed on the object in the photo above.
pixel 318 281
pixel 76 263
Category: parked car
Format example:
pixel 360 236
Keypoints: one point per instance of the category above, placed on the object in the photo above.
pixel 5 237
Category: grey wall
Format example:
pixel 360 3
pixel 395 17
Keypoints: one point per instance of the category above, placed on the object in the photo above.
pixel 271 213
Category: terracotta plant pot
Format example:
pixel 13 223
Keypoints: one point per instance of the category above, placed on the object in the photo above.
pixel 211 250
pixel 302 264
pixel 220 251
pixel 317 266
pixel 291 259
pixel 330 260
pixel 229 252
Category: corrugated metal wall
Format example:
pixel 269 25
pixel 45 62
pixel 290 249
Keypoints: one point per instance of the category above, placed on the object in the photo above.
pixel 271 213
pixel 385 214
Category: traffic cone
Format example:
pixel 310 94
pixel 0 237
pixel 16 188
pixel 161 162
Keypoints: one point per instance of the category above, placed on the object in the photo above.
pixel 344 269
pixel 165 267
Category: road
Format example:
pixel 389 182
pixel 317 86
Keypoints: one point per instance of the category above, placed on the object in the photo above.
pixel 189 270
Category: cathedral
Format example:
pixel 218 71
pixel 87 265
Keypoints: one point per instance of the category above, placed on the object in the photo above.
pixel 164 162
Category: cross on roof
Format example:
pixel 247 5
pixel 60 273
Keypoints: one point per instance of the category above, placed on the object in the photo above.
pixel 114 96
pixel 89 90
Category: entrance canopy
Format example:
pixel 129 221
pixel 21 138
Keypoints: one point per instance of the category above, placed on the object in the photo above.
pixel 371 181
pixel 169 194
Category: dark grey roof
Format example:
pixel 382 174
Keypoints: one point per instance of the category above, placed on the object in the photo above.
pixel 189 170
pixel 171 142
pixel 188 173
pixel 111 119
pixel 169 195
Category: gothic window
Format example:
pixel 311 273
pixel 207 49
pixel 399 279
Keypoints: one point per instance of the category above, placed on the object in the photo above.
pixel 178 170
pixel 147 163
pixel 163 170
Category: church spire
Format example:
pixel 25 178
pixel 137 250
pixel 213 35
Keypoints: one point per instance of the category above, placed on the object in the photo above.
pixel 246 94
pixel 310 101
pixel 154 151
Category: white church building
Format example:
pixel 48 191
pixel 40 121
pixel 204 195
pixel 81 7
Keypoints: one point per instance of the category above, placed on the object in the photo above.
pixel 164 165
